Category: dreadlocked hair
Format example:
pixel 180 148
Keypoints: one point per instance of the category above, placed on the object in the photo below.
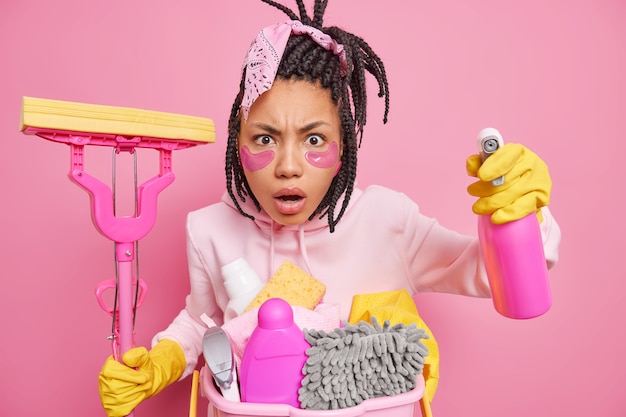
pixel 304 59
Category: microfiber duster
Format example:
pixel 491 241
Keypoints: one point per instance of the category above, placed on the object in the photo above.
pixel 360 361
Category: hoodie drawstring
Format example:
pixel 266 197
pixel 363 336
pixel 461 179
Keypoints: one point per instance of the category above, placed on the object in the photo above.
pixel 301 244
pixel 303 252
pixel 272 250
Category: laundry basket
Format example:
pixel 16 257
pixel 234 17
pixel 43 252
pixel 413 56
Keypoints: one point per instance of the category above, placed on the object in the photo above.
pixel 401 405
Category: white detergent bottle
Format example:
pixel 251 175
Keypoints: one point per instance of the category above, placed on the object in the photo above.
pixel 242 284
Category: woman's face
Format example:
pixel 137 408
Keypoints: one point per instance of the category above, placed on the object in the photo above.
pixel 290 149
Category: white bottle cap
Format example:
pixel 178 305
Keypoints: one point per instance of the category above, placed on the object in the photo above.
pixel 242 284
pixel 239 278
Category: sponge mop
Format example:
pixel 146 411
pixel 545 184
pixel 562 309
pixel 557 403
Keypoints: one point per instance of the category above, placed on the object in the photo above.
pixel 57 115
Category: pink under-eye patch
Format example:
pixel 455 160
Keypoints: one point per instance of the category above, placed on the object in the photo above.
pixel 255 161
pixel 326 159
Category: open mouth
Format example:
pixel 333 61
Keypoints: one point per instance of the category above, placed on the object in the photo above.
pixel 289 201
pixel 287 198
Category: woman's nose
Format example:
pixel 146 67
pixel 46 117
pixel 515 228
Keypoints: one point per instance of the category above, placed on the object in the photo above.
pixel 289 162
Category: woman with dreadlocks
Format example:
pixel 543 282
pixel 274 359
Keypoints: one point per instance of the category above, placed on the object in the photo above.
pixel 291 159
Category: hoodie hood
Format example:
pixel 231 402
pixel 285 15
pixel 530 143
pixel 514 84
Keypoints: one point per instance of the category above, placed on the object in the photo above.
pixel 269 227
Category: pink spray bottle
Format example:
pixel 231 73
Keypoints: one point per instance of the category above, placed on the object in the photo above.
pixel 513 254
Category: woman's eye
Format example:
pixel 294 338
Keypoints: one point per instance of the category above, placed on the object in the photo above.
pixel 263 140
pixel 314 140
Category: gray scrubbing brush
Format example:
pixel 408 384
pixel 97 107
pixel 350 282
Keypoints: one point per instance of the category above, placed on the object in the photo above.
pixel 354 363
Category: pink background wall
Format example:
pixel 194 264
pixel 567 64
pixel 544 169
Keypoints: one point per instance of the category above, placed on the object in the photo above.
pixel 547 74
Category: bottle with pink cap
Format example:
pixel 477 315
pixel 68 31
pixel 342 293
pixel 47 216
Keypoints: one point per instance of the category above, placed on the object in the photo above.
pixel 272 362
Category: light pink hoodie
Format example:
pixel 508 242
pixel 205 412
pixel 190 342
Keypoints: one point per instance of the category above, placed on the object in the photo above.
pixel 382 243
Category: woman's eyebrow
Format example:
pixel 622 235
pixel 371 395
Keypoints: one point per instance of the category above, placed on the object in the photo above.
pixel 306 128
pixel 313 125
pixel 267 128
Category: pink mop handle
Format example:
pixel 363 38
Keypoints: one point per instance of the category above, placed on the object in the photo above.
pixel 125 256
pixel 124 231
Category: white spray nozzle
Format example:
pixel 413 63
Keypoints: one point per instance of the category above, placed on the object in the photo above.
pixel 489 141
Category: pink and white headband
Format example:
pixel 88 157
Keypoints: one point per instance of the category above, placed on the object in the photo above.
pixel 266 52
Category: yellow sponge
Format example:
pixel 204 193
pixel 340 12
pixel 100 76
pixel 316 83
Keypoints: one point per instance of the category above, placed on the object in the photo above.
pixel 125 121
pixel 293 285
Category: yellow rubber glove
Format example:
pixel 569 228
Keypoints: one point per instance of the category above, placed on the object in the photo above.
pixel 526 187
pixel 143 374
